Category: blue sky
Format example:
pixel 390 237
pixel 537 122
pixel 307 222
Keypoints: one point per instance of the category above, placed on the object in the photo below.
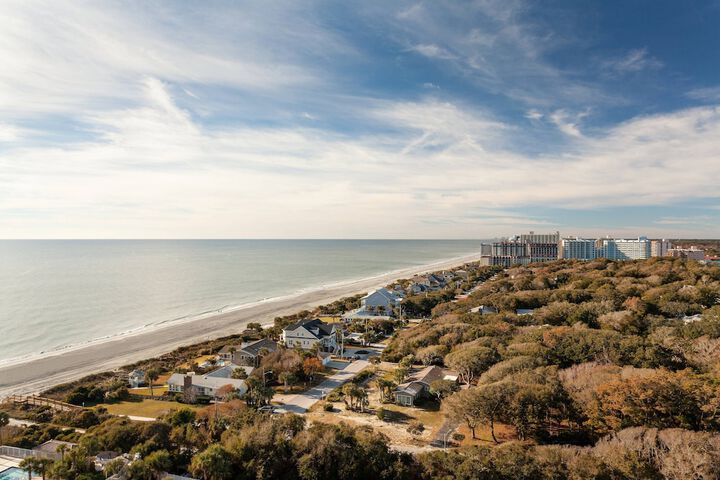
pixel 359 120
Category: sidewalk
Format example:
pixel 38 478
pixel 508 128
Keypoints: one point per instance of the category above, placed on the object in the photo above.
pixel 301 402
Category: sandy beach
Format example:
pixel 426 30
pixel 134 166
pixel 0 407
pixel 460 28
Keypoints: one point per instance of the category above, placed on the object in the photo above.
pixel 37 374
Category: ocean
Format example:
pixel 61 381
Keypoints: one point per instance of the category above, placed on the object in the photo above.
pixel 60 293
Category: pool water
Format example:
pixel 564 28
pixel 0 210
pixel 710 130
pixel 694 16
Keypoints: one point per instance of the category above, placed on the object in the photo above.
pixel 13 473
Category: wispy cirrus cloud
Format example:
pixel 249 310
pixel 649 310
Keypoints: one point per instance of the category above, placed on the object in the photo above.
pixel 635 60
pixel 707 94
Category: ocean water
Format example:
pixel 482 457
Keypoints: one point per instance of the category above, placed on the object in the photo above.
pixel 60 293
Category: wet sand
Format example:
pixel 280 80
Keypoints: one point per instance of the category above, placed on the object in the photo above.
pixel 37 374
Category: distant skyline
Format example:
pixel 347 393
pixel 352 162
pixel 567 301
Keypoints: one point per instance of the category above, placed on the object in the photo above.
pixel 372 119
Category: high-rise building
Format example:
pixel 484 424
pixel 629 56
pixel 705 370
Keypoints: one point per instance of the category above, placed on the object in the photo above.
pixel 659 248
pixel 522 250
pixel 533 237
pixel 621 249
pixel 578 248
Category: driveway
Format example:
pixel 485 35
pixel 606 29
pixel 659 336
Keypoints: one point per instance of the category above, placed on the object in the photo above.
pixel 301 402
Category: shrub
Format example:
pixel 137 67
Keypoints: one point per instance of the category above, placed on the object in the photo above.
pixel 416 427
pixel 381 413
pixel 328 407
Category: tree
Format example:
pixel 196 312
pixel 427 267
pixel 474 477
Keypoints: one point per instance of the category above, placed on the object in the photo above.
pixel 226 391
pixel 311 366
pixel 442 388
pixel 151 375
pixel 30 465
pixel 257 394
pixel 386 387
pixel 464 406
pixel 357 395
pixel 214 463
pixel 470 362
pixel 255 326
pixel 287 378
pixel 239 374
pixel 400 373
pixel 158 462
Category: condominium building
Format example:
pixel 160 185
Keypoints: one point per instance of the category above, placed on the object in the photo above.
pixel 692 253
pixel 622 249
pixel 659 248
pixel 578 248
pixel 522 250
pixel 533 237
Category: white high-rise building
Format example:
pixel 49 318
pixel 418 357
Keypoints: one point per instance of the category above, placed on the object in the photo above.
pixel 578 248
pixel 621 249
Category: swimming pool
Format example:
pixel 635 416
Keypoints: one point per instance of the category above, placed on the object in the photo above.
pixel 13 473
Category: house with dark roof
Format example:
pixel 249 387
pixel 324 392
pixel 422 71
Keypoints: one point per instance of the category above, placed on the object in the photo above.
pixel 418 385
pixel 250 353
pixel 306 334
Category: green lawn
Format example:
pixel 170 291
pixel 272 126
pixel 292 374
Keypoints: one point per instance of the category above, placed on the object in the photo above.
pixel 145 408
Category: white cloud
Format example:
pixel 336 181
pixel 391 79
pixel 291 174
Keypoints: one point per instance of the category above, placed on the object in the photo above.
pixel 534 114
pixel 64 56
pixel 9 133
pixel 433 51
pixel 444 171
pixel 634 61
pixel 568 123
pixel 707 94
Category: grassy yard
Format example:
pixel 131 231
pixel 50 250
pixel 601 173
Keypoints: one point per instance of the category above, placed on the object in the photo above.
pixel 145 408
pixel 504 433
pixel 157 390
pixel 428 414
pixel 199 361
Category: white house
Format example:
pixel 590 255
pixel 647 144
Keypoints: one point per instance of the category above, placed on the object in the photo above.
pixel 306 334
pixel 380 301
pixel 136 378
pixel 193 386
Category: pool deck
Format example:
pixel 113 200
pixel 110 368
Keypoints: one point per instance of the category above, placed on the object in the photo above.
pixel 7 462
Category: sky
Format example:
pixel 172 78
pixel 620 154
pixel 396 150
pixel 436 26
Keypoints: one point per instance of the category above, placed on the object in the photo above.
pixel 372 119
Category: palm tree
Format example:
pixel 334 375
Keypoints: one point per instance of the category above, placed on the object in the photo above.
pixel 61 450
pixel 150 376
pixel 30 465
pixel 43 465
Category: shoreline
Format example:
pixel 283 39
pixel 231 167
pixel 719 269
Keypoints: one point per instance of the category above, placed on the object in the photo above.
pixel 38 372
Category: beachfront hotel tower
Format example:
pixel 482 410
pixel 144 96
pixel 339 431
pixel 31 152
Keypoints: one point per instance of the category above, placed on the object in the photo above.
pixel 622 249
pixel 578 248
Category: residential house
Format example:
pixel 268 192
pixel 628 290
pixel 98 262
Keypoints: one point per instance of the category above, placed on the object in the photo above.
pixel 361 315
pixel 250 353
pixel 306 334
pixel 228 370
pixel 418 385
pixel 136 378
pixel 381 301
pixel 484 310
pixel 53 449
pixel 416 288
pixel 226 352
pixel 193 386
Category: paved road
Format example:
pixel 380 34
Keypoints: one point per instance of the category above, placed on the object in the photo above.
pixel 301 402
pixel 443 436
